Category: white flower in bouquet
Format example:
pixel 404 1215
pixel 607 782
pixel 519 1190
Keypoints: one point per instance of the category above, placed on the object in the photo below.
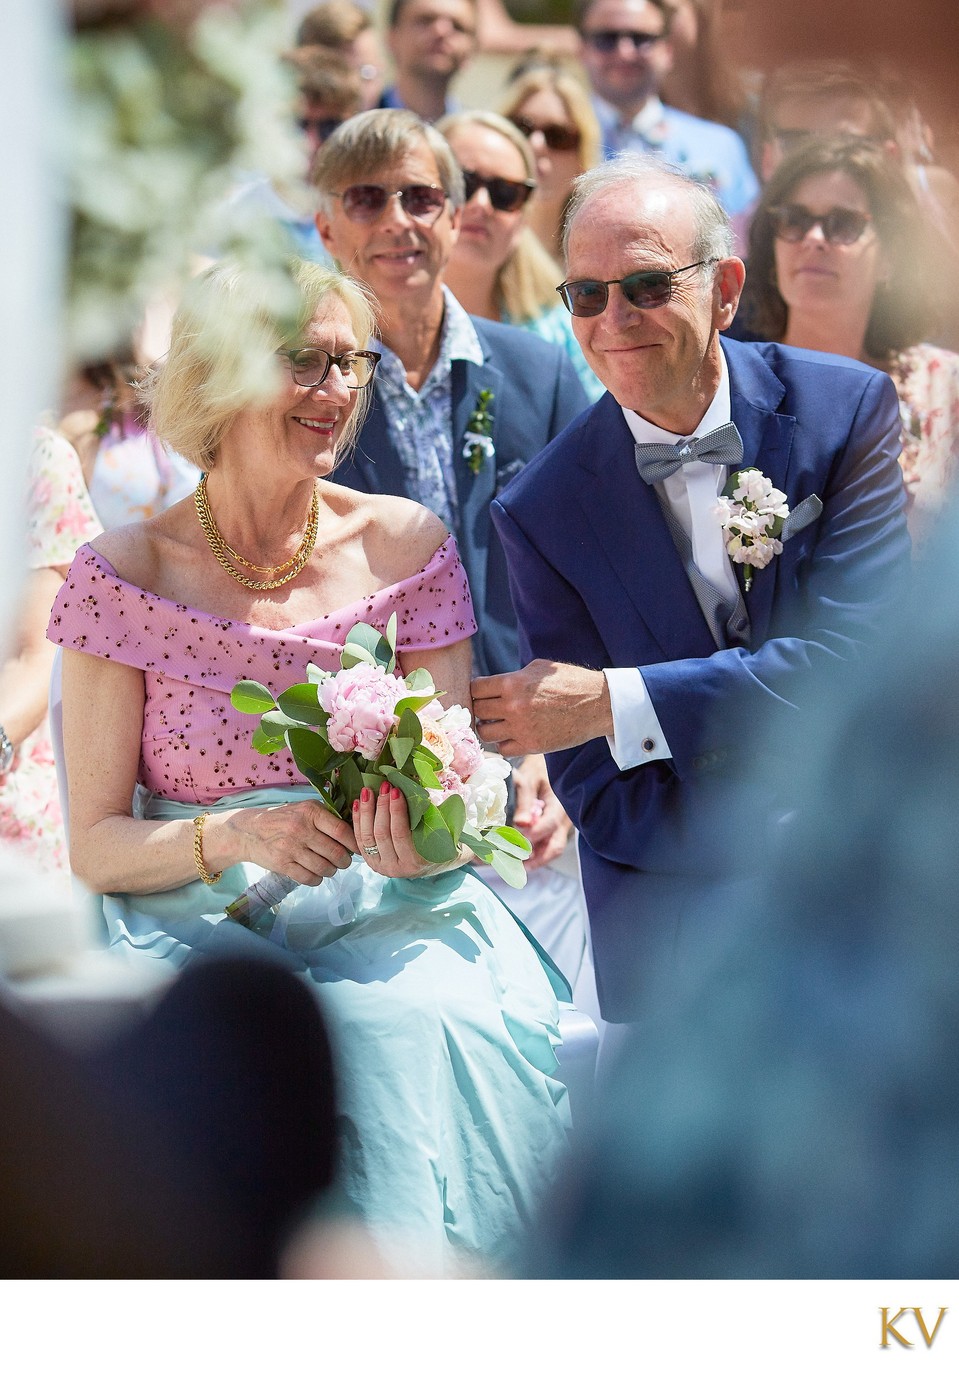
pixel 486 793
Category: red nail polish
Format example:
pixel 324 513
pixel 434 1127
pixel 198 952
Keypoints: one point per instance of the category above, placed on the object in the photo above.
pixel 385 788
pixel 395 793
pixel 356 804
pixel 365 794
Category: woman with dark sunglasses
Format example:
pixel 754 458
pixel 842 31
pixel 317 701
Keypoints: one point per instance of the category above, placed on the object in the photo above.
pixel 836 264
pixel 498 268
pixel 552 108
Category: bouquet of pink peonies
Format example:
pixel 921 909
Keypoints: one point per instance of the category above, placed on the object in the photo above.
pixel 354 728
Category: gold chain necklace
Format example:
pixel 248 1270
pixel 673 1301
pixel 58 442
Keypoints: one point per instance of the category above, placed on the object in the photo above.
pixel 224 554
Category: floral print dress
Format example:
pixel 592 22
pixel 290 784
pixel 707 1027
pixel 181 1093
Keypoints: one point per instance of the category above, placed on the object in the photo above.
pixel 927 380
pixel 60 518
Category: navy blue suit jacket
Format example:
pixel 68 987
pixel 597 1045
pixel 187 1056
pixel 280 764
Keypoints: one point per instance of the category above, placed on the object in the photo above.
pixel 597 581
pixel 536 393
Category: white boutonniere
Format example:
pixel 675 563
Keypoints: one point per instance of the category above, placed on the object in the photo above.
pixel 478 445
pixel 752 514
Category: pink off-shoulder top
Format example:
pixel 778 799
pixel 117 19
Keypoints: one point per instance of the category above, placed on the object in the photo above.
pixel 195 745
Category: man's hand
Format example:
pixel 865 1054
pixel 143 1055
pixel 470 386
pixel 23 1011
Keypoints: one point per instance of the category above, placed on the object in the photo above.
pixel 542 708
pixel 539 814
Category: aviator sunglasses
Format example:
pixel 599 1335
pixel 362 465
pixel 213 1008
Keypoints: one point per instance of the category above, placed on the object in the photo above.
pixel 645 290
pixel 608 40
pixel 839 225
pixel 559 138
pixel 503 194
pixel 310 367
pixel 366 203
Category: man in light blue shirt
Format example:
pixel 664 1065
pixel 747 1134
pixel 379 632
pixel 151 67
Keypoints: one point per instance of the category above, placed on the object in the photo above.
pixel 626 53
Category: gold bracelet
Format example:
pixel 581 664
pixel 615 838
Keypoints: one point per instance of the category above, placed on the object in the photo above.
pixel 202 870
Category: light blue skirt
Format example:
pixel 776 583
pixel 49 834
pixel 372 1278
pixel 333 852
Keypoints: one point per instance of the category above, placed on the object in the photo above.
pixel 443 1014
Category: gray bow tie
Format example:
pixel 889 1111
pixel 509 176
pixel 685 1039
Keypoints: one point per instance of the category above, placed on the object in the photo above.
pixel 657 461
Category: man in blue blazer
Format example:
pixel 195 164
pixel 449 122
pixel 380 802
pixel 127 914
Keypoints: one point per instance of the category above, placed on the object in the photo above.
pixel 459 404
pixel 654 665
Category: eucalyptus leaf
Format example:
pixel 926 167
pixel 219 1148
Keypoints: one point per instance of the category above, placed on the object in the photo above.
pixel 509 841
pixel 417 798
pixel 509 869
pixel 400 747
pixel 369 644
pixel 432 839
pixel 371 781
pixel 349 658
pixel 301 703
pixel 266 745
pixel 391 633
pixel 480 847
pixel 315 674
pixel 412 704
pixel 453 812
pixel 351 784
pixel 425 772
pixel 251 697
pixel 410 727
pixel 276 723
pixel 309 749
pixel 420 681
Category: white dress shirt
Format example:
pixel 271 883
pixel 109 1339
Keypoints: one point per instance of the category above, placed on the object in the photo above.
pixel 691 493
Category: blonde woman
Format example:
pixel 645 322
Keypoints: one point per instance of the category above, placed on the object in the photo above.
pixel 552 108
pixel 498 268
pixel 444 1015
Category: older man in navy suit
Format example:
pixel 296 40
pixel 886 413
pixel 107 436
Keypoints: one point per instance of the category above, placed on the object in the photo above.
pixel 653 655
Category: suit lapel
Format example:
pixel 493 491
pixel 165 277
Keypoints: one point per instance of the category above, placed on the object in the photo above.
pixel 767 437
pixel 474 491
pixel 632 534
pixel 376 459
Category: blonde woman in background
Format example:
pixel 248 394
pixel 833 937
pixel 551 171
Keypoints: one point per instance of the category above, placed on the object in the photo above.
pixel 498 268
pixel 551 107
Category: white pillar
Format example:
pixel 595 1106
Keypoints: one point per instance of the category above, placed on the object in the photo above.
pixel 31 257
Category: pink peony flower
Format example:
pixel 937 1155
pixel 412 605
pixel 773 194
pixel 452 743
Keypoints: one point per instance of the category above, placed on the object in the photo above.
pixel 467 751
pixel 360 702
pixel 450 782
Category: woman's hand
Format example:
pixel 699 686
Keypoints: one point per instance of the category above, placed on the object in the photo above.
pixel 382 828
pixel 301 840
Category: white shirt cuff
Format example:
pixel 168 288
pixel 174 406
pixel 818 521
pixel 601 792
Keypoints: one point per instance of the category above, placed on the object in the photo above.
pixel 637 735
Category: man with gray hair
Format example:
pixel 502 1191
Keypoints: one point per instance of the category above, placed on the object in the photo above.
pixel 668 600
pixel 459 403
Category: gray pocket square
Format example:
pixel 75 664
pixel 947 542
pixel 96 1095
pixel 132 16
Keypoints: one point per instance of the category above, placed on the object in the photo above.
pixel 801 516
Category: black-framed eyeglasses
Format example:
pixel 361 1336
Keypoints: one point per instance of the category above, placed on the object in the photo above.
pixel 503 193
pixel 840 224
pixel 608 40
pixel 310 367
pixel 367 202
pixel 559 138
pixel 321 129
pixel 645 290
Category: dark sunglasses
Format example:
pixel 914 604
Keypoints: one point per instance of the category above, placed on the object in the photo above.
pixel 364 204
pixel 559 138
pixel 608 40
pixel 310 367
pixel 839 225
pixel 645 290
pixel 320 128
pixel 503 194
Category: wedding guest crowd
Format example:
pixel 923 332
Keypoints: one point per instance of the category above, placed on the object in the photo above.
pixel 546 471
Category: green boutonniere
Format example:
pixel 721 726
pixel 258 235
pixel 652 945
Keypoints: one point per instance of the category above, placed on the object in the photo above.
pixel 479 431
